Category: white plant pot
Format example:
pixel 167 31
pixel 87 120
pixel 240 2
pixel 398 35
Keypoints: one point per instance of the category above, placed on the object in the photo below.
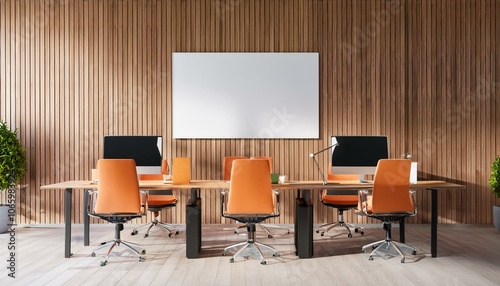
pixel 4 218
pixel 496 217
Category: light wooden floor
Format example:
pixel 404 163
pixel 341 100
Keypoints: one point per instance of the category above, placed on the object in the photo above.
pixel 468 255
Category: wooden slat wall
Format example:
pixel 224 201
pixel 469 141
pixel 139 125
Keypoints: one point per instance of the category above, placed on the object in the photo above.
pixel 424 72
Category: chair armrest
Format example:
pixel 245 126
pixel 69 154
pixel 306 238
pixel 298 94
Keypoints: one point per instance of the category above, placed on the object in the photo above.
pixel 223 201
pixel 413 195
pixel 276 199
pixel 363 201
pixel 144 201
pixel 92 200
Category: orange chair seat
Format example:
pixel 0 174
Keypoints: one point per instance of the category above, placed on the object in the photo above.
pixel 156 200
pixel 348 200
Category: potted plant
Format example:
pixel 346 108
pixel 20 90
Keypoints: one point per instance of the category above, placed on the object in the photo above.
pixel 495 189
pixel 12 170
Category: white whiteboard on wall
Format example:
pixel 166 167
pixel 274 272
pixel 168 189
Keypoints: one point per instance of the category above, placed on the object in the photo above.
pixel 245 95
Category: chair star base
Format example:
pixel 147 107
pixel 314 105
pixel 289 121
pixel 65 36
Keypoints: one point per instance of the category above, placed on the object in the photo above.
pixel 136 249
pixel 249 245
pixel 155 222
pixel 132 246
pixel 324 228
pixel 265 228
pixel 386 245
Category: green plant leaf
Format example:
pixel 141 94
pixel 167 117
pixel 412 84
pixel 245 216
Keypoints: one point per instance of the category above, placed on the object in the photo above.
pixel 494 180
pixel 12 157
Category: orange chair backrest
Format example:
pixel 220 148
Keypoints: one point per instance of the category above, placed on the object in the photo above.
pixel 118 187
pixel 342 177
pixel 269 160
pixel 150 177
pixel 181 170
pixel 155 198
pixel 391 186
pixel 156 177
pixel 227 165
pixel 164 167
pixel 339 196
pixel 250 189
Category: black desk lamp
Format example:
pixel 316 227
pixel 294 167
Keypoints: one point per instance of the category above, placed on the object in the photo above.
pixel 313 156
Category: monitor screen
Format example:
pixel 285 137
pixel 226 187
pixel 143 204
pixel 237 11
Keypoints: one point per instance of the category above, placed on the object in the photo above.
pixel 358 154
pixel 145 150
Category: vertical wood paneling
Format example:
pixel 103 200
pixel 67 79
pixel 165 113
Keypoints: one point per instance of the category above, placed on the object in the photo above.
pixel 72 72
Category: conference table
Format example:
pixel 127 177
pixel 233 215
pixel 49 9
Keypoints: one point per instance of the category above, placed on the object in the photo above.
pixel 303 235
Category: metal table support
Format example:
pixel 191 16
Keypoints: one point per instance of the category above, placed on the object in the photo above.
pixel 193 225
pixel 304 224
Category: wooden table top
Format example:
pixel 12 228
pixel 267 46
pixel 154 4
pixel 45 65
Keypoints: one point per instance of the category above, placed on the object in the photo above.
pixel 220 184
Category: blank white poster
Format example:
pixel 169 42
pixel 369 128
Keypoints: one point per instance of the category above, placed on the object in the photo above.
pixel 245 95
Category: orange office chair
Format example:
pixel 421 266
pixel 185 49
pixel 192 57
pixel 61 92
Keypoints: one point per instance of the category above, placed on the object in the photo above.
pixel 389 201
pixel 342 200
pixel 118 200
pixel 266 227
pixel 250 200
pixel 226 170
pixel 227 164
pixel 269 160
pixel 158 200
pixel 227 174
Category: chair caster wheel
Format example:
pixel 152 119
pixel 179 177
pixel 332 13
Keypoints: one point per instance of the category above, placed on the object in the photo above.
pixel 269 236
pixel 176 232
pixel 146 235
pixel 235 232
pixel 349 235
pixel 276 254
pixel 93 254
pixel 231 260
pixel 223 254
pixel 134 232
pixel 170 235
pixel 403 260
pixel 263 262
pixel 356 230
pixel 370 258
pixel 316 231
pixel 322 234
pixel 141 259
pixel 143 251
pixel 414 252
pixel 103 263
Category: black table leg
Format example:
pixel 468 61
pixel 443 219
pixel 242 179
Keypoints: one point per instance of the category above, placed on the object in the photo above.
pixel 296 224
pixel 402 230
pixel 304 225
pixel 434 218
pixel 193 225
pixel 86 220
pixel 67 222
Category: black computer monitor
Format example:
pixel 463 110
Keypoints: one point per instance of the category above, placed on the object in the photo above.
pixel 358 154
pixel 144 149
